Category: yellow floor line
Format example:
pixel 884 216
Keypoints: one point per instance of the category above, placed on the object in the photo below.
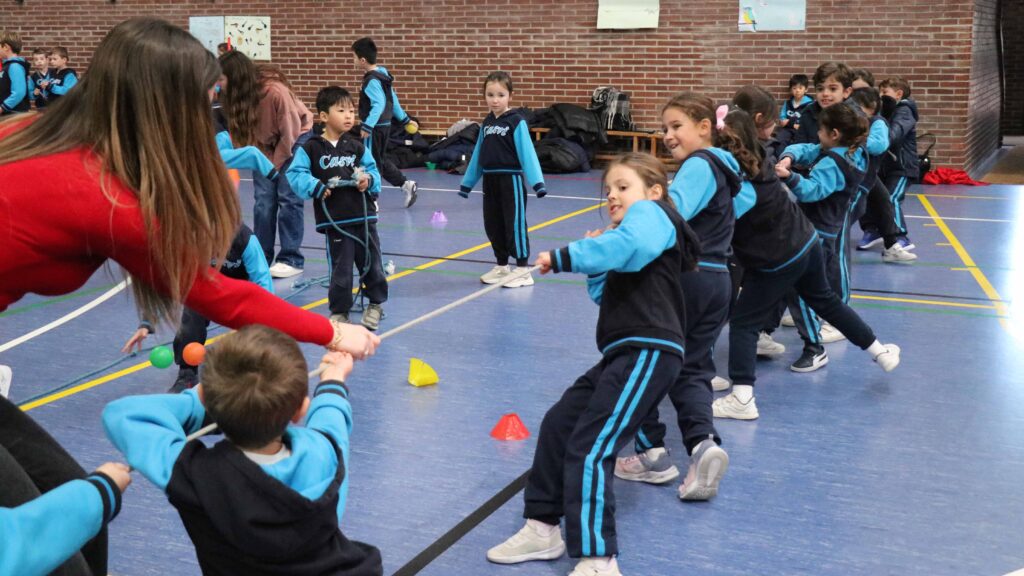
pixel 979 276
pixel 143 365
pixel 927 302
pixel 963 197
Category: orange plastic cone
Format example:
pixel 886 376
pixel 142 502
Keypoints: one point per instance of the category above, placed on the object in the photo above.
pixel 236 178
pixel 510 427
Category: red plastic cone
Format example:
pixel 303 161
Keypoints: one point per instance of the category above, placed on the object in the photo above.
pixel 510 427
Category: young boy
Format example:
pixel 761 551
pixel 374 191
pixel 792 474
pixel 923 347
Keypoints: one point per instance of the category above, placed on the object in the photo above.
pixel 14 93
pixel 40 73
pixel 337 171
pixel 64 78
pixel 378 103
pixel 269 497
pixel 789 115
pixel 900 168
pixel 833 83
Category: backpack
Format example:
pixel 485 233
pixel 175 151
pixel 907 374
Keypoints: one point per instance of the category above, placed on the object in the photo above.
pixel 612 108
pixel 924 160
pixel 560 156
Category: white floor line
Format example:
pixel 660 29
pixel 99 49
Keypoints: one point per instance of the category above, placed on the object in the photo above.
pixel 66 318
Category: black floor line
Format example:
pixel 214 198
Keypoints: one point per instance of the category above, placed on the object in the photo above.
pixel 449 538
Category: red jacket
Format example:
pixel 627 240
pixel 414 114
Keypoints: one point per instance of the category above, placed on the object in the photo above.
pixel 57 227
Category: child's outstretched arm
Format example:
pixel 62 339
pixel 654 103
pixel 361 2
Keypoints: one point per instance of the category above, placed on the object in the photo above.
pixel 255 262
pixel 41 534
pixel 370 165
pixel 825 179
pixel 878 138
pixel 644 233
pixel 244 158
pixel 528 159
pixel 69 82
pixel 300 177
pixel 150 430
pixel 330 411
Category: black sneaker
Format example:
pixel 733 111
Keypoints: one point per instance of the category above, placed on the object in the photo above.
pixel 187 378
pixel 810 361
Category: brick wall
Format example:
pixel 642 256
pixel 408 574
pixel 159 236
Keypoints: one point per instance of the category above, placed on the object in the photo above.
pixel 440 50
pixel 1013 67
pixel 985 101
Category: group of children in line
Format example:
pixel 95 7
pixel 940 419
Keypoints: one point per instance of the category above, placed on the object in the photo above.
pixel 723 243
pixel 48 80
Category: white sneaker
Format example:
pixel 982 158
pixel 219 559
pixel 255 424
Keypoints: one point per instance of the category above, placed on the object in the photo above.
pixel 495 275
pixel 5 380
pixel 707 467
pixel 766 346
pixel 730 406
pixel 719 384
pixel 526 280
pixel 596 567
pixel 410 188
pixel 889 359
pixel 652 466
pixel 282 270
pixel 897 254
pixel 787 321
pixel 830 334
pixel 527 545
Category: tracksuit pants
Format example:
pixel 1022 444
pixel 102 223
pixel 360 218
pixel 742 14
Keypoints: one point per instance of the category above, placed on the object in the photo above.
pixel 505 217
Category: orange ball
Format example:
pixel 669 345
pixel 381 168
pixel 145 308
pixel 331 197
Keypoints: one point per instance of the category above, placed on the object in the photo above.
pixel 194 354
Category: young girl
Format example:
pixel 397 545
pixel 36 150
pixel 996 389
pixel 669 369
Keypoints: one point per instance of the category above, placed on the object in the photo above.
pixel 505 156
pixel 705 189
pixel 133 179
pixel 781 252
pixel 634 268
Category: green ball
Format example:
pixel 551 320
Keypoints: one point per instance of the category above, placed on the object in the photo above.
pixel 161 357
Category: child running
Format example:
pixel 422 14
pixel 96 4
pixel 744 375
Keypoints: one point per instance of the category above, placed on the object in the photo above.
pixel 505 157
pixel 633 271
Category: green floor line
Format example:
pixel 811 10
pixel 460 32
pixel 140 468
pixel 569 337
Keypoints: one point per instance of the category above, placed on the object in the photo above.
pixel 54 300
pixel 945 311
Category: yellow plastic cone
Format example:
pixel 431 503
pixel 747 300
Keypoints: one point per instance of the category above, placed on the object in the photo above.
pixel 420 373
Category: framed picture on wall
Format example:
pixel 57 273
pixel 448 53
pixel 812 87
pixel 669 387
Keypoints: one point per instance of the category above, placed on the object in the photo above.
pixel 249 35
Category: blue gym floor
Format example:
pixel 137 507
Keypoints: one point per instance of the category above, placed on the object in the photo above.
pixel 848 471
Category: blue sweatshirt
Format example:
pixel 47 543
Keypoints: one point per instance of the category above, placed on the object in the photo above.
pixel 317 162
pixel 150 431
pixel 703 193
pixel 828 189
pixel 791 112
pixel 42 534
pixel 14 92
pixel 376 94
pixel 244 158
pixel 504 146
pixel 62 82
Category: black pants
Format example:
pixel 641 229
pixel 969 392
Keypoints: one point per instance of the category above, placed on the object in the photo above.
pixel 345 250
pixel 707 297
pixel 505 217
pixel 760 296
pixel 581 434
pixel 379 144
pixel 806 321
pixel 33 463
pixel 885 208
pixel 193 328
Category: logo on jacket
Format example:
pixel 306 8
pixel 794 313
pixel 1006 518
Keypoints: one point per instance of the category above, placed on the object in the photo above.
pixel 328 162
pixel 499 130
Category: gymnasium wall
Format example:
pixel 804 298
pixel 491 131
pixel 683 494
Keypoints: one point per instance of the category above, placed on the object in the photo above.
pixel 440 50
pixel 1013 49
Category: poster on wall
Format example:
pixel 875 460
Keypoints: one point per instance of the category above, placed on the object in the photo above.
pixel 772 15
pixel 249 35
pixel 207 29
pixel 627 14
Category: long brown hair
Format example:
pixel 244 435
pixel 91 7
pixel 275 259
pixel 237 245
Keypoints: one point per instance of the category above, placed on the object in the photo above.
pixel 650 170
pixel 698 108
pixel 241 97
pixel 143 108
pixel 852 127
pixel 270 72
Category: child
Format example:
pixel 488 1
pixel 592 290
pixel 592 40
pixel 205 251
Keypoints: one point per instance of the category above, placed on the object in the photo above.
pixel 780 252
pixel 873 196
pixel 14 92
pixel 65 518
pixel 704 190
pixel 634 268
pixel 900 167
pixel 862 79
pixel 504 155
pixel 338 172
pixel 793 108
pixel 378 103
pixel 41 75
pixel 269 497
pixel 833 82
pixel 64 78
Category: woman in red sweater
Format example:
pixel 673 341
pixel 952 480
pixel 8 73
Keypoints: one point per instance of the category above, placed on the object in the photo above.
pixel 125 168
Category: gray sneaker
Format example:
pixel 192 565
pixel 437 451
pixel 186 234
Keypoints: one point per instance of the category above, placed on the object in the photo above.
pixel 343 318
pixel 527 545
pixel 410 189
pixel 651 466
pixel 707 466
pixel 372 316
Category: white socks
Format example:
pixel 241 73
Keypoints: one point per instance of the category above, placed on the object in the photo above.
pixel 875 349
pixel 541 528
pixel 743 392
pixel 602 563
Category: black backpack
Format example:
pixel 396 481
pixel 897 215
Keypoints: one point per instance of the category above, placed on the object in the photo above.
pixel 612 108
pixel 924 159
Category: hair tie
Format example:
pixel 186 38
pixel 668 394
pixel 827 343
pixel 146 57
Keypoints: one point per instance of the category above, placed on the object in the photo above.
pixel 720 114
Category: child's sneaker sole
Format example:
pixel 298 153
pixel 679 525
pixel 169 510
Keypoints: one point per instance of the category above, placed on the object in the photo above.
pixel 650 476
pixel 710 470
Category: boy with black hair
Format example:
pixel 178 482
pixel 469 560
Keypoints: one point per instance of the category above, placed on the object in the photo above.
pixel 337 171
pixel 793 108
pixel 14 81
pixel 900 167
pixel 64 78
pixel 41 73
pixel 269 497
pixel 378 103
